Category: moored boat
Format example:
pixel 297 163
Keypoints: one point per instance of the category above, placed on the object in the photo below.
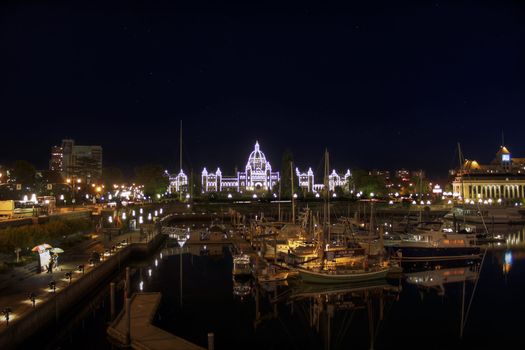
pixel 343 276
pixel 436 246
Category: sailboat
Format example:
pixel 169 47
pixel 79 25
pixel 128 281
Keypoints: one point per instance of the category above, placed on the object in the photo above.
pixel 357 269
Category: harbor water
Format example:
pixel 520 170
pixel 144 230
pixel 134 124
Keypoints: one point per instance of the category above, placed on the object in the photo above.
pixel 422 309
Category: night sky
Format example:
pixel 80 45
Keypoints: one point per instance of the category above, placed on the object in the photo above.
pixel 382 84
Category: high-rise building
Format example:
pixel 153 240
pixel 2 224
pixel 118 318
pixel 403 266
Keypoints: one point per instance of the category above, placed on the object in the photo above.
pixel 57 159
pixel 77 160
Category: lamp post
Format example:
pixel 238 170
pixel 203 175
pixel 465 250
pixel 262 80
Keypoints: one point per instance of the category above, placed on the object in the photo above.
pixel 52 286
pixel 73 184
pixel 6 311
pixel 68 276
pixel 32 298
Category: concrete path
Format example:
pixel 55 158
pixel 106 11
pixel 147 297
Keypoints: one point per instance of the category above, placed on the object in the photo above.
pixel 16 285
pixel 143 334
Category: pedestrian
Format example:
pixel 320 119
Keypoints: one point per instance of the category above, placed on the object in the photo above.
pixel 50 266
pixel 55 260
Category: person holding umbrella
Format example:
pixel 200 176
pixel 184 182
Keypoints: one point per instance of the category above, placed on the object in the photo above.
pixel 55 252
pixel 43 251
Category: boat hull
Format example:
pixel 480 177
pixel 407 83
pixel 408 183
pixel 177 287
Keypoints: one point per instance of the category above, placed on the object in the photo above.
pixel 328 278
pixel 435 254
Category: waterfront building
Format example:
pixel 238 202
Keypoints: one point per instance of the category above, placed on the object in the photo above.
pixel 501 180
pixel 77 160
pixel 258 176
pixel 306 180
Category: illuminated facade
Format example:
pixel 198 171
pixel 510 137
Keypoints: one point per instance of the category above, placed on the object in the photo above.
pixel 76 160
pixel 178 183
pixel 307 183
pixel 258 176
pixel 501 180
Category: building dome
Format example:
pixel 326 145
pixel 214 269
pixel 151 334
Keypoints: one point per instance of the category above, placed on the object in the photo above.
pixel 257 160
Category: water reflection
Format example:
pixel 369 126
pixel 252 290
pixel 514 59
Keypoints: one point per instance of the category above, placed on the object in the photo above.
pixel 438 278
pixel 308 316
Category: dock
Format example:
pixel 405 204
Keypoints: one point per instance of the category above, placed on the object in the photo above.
pixel 144 335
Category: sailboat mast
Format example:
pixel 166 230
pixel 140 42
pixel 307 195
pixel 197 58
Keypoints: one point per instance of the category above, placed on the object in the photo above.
pixel 180 147
pixel 420 195
pixel 461 170
pixel 327 194
pixel 279 206
pixel 293 198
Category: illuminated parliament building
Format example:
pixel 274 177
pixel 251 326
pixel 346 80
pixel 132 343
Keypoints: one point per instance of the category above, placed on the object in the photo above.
pixel 257 176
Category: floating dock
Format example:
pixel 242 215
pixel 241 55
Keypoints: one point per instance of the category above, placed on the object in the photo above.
pixel 144 335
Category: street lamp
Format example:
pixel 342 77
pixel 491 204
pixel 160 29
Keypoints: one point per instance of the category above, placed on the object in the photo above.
pixel 81 268
pixel 53 286
pixel 32 298
pixel 6 311
pixel 68 276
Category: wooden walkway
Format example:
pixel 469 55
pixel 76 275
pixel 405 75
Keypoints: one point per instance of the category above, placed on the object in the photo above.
pixel 144 335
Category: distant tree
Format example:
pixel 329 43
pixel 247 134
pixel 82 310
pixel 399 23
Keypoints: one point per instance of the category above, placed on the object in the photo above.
pixel 286 186
pixel 339 191
pixel 51 177
pixel 195 182
pixel 111 176
pixel 153 178
pixel 419 185
pixel 23 172
pixel 367 183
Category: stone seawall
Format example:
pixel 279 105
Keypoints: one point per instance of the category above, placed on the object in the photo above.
pixel 54 309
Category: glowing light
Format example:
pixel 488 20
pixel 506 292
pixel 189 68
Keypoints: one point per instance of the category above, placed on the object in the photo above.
pixel 110 219
pixel 508 258
pixel 124 216
pixel 141 286
pixel 229 195
pixel 141 220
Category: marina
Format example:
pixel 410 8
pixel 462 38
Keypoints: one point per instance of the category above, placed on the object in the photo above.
pixel 272 305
